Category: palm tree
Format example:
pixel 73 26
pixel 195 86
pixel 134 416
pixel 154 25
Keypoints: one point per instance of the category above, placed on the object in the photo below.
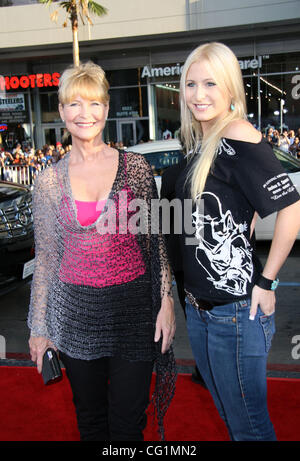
pixel 75 9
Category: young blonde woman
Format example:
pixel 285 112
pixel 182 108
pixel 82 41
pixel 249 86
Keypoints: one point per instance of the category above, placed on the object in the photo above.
pixel 100 293
pixel 231 175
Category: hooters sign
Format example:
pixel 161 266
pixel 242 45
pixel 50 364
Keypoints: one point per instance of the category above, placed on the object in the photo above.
pixel 29 81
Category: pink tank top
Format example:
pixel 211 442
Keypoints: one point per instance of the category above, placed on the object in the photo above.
pixel 93 259
pixel 89 212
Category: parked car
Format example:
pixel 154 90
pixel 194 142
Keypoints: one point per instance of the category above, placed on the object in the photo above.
pixel 16 236
pixel 265 227
pixel 161 154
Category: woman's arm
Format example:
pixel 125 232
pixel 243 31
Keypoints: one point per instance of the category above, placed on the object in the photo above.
pixel 288 219
pixel 253 223
pixel 286 229
pixel 165 322
pixel 44 265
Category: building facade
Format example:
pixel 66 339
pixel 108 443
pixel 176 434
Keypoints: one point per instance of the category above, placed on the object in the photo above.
pixel 142 48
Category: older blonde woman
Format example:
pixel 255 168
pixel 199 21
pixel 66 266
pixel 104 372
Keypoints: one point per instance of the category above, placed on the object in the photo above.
pixel 231 175
pixel 100 295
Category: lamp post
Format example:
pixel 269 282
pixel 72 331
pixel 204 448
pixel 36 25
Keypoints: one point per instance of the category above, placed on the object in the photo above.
pixel 282 103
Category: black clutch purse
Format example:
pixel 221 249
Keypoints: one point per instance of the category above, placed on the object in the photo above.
pixel 51 370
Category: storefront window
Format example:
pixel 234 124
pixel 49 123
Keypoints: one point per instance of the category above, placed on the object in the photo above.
pixel 273 101
pixel 49 107
pixel 123 77
pixel 280 106
pixel 33 114
pixel 126 133
pixel 287 62
pixel 128 102
pixel 252 102
pixel 14 119
pixel 168 112
pixel 164 80
pixel 142 131
pixel 110 132
pixel 273 91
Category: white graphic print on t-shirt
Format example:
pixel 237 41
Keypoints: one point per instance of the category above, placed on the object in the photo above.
pixel 223 250
pixel 225 147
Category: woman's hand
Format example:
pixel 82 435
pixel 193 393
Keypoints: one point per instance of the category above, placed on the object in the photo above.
pixel 38 346
pixel 287 226
pixel 165 323
pixel 265 299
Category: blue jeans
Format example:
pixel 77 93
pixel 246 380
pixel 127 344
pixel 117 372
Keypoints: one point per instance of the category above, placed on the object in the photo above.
pixel 231 353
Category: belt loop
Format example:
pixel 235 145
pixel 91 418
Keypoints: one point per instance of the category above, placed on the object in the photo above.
pixel 243 303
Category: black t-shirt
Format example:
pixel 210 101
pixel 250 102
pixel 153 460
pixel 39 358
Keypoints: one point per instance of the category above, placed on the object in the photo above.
pixel 221 263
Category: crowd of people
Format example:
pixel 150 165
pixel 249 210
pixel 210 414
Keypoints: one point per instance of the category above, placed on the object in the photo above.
pixel 38 159
pixel 288 141
pixel 35 159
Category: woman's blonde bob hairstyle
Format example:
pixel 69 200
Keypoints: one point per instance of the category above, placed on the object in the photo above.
pixel 87 80
pixel 226 72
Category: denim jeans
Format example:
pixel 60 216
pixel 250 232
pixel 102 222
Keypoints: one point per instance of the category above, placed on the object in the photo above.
pixel 231 353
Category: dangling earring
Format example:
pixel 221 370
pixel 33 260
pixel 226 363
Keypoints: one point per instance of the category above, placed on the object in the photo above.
pixel 232 107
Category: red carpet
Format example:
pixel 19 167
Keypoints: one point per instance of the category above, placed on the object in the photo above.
pixel 30 411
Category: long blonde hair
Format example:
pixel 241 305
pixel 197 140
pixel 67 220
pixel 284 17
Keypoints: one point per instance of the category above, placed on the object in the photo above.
pixel 227 74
